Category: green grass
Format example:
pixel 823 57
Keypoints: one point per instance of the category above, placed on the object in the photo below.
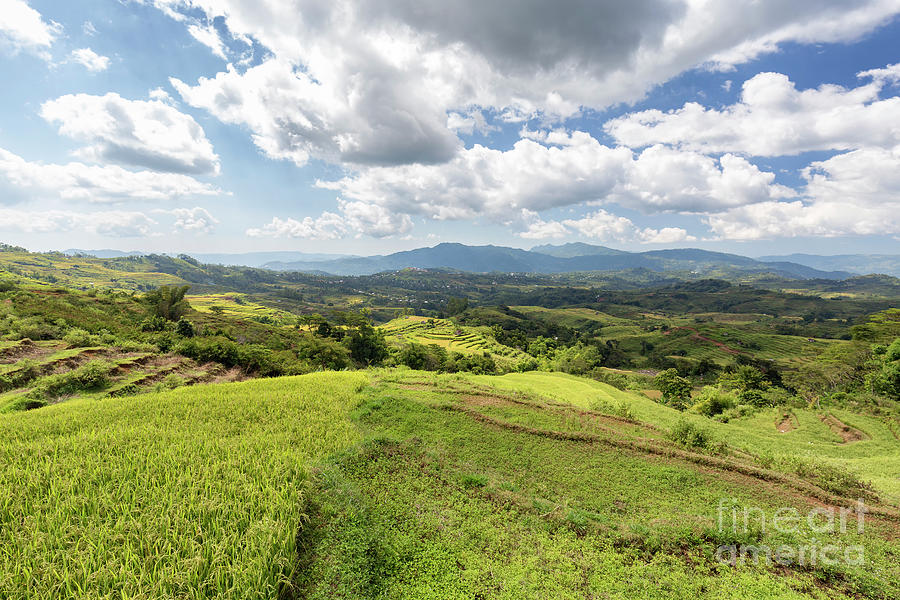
pixel 194 493
pixel 406 484
pixel 444 333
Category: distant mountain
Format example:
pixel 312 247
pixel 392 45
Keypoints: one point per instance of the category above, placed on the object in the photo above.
pixel 886 264
pixel 247 259
pixel 105 253
pixel 258 259
pixel 574 249
pixel 487 259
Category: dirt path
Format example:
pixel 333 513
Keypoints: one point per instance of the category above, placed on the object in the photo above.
pixel 787 424
pixel 703 338
pixel 847 434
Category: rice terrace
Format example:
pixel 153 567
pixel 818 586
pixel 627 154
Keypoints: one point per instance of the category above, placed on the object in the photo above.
pixel 472 300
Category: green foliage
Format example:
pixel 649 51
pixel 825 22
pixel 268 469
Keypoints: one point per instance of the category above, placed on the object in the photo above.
pixel 323 353
pixel 184 328
pixel 252 358
pixel 687 434
pixel 168 301
pixel 426 358
pixel 367 345
pixel 79 338
pixel 713 401
pixel 676 390
pixel 155 323
pixel 456 306
pixel 92 375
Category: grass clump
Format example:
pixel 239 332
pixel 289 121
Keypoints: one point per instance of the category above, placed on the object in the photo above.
pixel 93 375
pixel 692 436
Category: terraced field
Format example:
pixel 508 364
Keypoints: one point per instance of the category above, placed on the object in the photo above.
pixel 444 333
pixel 240 306
pixel 33 374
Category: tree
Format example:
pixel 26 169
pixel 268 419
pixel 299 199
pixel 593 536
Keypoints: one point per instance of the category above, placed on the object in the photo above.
pixel 184 328
pixel 676 390
pixel 367 345
pixel 168 301
pixel 456 306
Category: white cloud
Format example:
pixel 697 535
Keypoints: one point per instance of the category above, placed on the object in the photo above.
pixel 106 223
pixel 88 28
pixel 90 60
pixel 209 37
pixel 773 118
pixel 292 116
pixel 374 82
pixel 194 220
pixel 93 183
pixel 492 183
pixel 355 218
pixel 602 226
pixel 856 193
pixel 23 28
pixel 328 226
pixel 150 134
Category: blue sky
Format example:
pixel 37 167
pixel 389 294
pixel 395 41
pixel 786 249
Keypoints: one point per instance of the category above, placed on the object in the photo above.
pixel 369 127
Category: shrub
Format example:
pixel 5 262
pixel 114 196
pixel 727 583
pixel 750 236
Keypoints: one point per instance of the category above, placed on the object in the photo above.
pixel 323 353
pixel 686 434
pixel 154 323
pixel 676 390
pixel 713 401
pixel 79 338
pixel 172 381
pixel 184 328
pixel 89 376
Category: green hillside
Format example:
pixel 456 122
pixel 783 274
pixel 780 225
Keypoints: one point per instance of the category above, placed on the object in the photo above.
pixel 399 484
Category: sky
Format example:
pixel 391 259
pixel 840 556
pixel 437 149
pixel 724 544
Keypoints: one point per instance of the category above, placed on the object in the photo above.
pixel 366 127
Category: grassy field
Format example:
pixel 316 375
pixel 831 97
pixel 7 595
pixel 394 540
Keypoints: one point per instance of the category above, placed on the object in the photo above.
pixel 406 484
pixel 191 494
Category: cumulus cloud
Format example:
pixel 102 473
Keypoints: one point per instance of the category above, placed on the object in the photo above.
pixel 355 218
pixel 294 116
pixel 149 134
pixel 602 226
pixel 193 220
pixel 373 83
pixel 90 60
pixel 94 183
pixel 856 193
pixel 106 223
pixel 533 176
pixel 774 118
pixel 23 28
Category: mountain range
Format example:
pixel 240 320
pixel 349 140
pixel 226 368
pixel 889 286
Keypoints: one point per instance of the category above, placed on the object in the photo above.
pixel 887 264
pixel 555 259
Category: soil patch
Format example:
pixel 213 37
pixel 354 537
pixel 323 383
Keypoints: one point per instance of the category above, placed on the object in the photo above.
pixel 847 434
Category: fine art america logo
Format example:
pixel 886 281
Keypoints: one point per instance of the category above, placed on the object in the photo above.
pixel 825 524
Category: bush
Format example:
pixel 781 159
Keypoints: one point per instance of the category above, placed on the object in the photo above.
pixel 713 401
pixel 79 338
pixel 686 434
pixel 89 376
pixel 184 328
pixel 154 323
pixel 323 353
pixel 252 358
pixel 676 390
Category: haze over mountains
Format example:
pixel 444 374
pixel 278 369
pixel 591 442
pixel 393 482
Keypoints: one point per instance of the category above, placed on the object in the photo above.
pixel 548 258
pixel 553 259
